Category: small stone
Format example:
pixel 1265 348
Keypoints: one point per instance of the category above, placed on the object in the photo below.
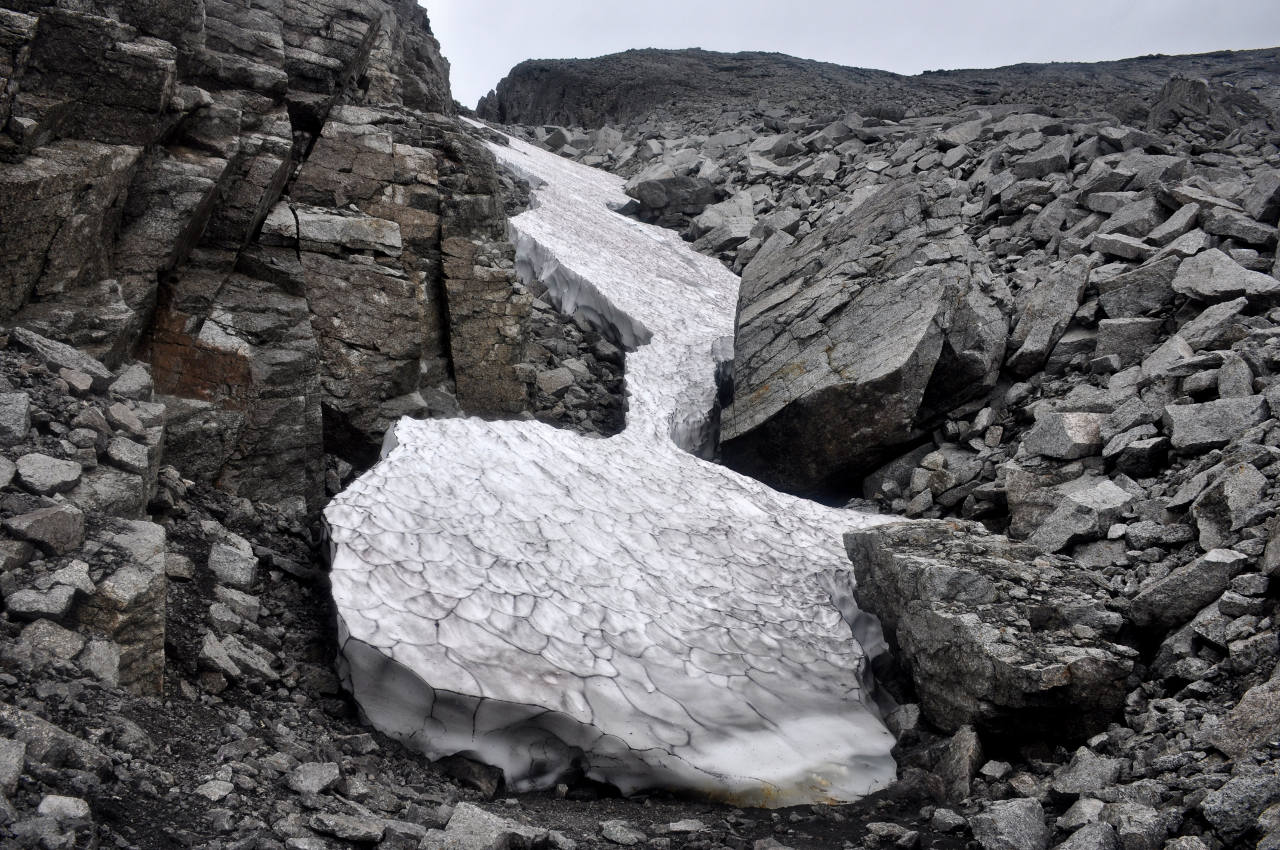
pixel 1176 598
pixel 215 791
pixel 63 809
pixel 1087 773
pixel 134 383
pixel 1094 836
pixel 122 417
pixel 621 832
pixel 1011 825
pixel 1084 811
pixel 233 562
pixel 47 476
pixel 125 454
pixel 1213 276
pixel 362 830
pixel 101 659
pixel 58 529
pixel 50 639
pixel 54 603
pixel 315 777
pixel 555 381
pixel 13 755
pixel 15 418
pixel 1196 428
pixel 1065 436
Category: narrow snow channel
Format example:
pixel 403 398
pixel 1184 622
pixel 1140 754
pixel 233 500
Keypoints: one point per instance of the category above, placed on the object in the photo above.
pixel 546 602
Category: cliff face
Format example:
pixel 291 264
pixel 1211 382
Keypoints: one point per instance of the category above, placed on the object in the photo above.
pixel 272 203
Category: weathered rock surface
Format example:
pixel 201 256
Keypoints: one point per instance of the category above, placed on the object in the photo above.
pixel 988 630
pixel 834 369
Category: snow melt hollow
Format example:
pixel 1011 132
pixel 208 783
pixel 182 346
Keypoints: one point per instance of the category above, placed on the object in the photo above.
pixel 545 602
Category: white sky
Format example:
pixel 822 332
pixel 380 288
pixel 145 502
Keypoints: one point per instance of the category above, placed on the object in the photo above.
pixel 483 39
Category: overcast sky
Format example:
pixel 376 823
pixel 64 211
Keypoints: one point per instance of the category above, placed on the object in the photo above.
pixel 483 39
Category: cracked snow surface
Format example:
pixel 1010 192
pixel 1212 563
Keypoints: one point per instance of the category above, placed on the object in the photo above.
pixel 546 602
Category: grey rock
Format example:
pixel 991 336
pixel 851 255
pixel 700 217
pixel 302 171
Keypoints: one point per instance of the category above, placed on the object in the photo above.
pixel 58 529
pixel 1094 836
pixel 1083 811
pixel 50 639
pixel 945 593
pixel 1213 276
pixel 555 381
pixel 1141 291
pixel 1044 318
pixel 12 757
pixel 29 604
pixel 1053 157
pixel 1181 222
pixel 1175 599
pixel 1197 428
pixel 250 658
pixel 57 355
pixel 215 790
pixel 1138 826
pixel 621 832
pixel 1210 329
pixel 1011 825
pixel 1253 721
pixel 1126 247
pixel 128 455
pixel 63 809
pixel 1136 219
pixel 134 382
pixel 1234 808
pixel 314 777
pixel 360 830
pixel 124 418
pixel 129 605
pixel 1262 201
pixel 1129 338
pixel 472 828
pixel 1225 507
pixel 15 418
pixel 214 657
pixel 1065 436
pixel 1087 773
pixel 1234 225
pixel 231 559
pixel 959 764
pixel 47 476
pixel 101 659
pixel 1085 509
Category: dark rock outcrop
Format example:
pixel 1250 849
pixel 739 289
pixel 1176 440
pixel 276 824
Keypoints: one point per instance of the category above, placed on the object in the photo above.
pixel 273 205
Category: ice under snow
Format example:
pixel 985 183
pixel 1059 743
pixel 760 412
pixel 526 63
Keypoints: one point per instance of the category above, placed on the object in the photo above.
pixel 546 602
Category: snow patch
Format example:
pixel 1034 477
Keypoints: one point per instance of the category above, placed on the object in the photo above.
pixel 541 600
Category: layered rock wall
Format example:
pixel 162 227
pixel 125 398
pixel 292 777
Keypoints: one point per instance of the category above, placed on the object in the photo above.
pixel 273 205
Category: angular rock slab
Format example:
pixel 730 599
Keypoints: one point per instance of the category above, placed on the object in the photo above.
pixel 984 627
pixel 834 368
pixel 535 599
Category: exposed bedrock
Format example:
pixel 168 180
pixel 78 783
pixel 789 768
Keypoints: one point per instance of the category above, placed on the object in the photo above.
pixel 858 338
pixel 273 205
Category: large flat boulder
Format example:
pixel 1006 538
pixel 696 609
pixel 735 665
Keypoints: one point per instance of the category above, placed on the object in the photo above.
pixel 992 633
pixel 856 340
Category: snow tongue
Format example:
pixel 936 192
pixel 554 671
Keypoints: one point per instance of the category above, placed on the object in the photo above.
pixel 545 602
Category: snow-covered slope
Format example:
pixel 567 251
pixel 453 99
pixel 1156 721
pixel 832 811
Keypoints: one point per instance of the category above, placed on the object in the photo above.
pixel 544 601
